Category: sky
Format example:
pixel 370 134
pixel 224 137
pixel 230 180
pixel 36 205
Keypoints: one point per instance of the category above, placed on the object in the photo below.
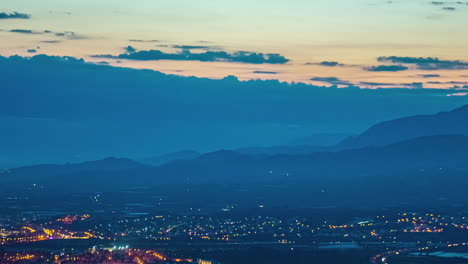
pixel 321 42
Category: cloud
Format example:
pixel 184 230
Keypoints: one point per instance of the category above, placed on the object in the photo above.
pixel 142 40
pixel 386 68
pixel 182 47
pixel 42 58
pixel 196 47
pixel 24 31
pixel 427 63
pixel 326 63
pixel 51 41
pixel 331 80
pixel 451 82
pixel 429 75
pixel 376 84
pixel 414 85
pixel 338 81
pixel 130 49
pixel 265 72
pixel 447 8
pixel 417 85
pixel 14 15
pixel 32 50
pixel 67 34
pixel 70 35
pixel 151 94
pixel 330 63
pixel 208 56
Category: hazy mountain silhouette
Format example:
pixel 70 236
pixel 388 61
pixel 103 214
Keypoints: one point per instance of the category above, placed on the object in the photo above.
pixel 289 150
pixel 410 168
pixel 444 123
pixel 381 134
pixel 307 145
pixel 39 173
pixel 327 139
pixel 445 151
pixel 420 170
pixel 180 155
pixel 434 166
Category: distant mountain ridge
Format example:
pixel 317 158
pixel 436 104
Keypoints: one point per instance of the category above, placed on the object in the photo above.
pixel 179 155
pixel 322 139
pixel 384 133
pixel 430 152
pixel 399 160
pixel 290 150
pixel 51 170
pixel 442 151
pixel 434 166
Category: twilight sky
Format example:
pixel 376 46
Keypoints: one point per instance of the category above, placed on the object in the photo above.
pixel 368 43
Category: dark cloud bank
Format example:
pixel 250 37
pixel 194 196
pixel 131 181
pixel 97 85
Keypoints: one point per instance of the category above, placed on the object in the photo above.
pixel 74 110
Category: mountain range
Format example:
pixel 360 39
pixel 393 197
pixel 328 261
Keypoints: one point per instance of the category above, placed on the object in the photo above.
pixel 396 158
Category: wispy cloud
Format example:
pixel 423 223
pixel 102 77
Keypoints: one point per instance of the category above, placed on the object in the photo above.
pixel 51 41
pixel 427 63
pixel 208 56
pixel 67 34
pixel 451 82
pixel 429 75
pixel 330 63
pixel 449 8
pixel 196 47
pixel 25 31
pixel 386 68
pixel 265 72
pixel 326 63
pixel 143 40
pixel 414 85
pixel 331 80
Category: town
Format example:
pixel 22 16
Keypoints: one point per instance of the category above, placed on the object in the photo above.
pixel 122 237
